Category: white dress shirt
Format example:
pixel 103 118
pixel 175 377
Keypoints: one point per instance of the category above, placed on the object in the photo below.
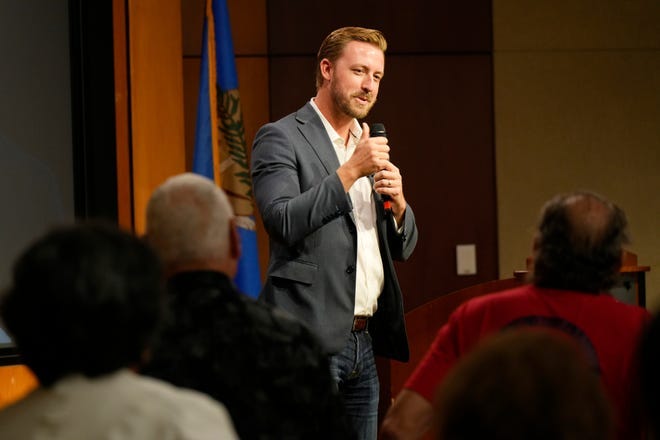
pixel 369 274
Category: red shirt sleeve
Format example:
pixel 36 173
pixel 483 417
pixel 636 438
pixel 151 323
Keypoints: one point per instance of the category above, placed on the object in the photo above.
pixel 438 360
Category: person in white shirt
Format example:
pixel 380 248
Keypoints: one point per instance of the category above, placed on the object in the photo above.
pixel 83 306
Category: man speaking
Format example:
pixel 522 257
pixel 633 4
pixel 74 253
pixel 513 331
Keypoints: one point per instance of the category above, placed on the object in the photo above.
pixel 319 182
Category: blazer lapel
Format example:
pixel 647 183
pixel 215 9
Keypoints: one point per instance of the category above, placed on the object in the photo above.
pixel 313 131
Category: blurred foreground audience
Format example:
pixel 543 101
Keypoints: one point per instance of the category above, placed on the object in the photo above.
pixel 520 385
pixel 84 304
pixel 649 378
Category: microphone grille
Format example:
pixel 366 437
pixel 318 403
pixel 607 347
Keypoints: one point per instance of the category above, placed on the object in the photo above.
pixel 377 129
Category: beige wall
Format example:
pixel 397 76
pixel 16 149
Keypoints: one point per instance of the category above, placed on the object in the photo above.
pixel 577 106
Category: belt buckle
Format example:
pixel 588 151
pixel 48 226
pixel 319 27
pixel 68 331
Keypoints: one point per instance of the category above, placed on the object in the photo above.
pixel 360 323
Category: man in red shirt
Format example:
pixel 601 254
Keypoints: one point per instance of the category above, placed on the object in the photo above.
pixel 577 257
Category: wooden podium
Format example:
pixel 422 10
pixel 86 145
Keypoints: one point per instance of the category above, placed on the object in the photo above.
pixel 422 324
pixel 631 288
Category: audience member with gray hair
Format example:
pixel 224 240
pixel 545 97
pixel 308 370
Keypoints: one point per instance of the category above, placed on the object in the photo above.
pixel 266 367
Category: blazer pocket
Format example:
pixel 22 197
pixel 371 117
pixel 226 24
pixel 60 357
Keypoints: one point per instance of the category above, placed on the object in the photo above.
pixel 296 270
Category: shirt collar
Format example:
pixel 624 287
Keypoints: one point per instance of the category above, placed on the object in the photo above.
pixel 355 130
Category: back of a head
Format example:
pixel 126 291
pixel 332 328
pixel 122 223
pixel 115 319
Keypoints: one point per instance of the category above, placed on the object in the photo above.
pixel 579 243
pixel 523 384
pixel 189 220
pixel 84 299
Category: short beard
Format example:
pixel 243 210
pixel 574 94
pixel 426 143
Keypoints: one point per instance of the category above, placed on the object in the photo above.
pixel 344 105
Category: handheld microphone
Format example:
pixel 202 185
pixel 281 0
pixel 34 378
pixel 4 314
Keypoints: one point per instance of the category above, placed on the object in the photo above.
pixel 375 130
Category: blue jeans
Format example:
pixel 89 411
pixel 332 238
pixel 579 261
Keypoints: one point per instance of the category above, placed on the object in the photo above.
pixel 354 372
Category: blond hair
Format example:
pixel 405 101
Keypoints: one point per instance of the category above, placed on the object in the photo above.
pixel 334 44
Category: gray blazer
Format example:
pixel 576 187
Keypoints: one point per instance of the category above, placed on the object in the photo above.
pixel 313 238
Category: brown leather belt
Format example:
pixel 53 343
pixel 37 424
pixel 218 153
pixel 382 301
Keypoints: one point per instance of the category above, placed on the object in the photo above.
pixel 360 323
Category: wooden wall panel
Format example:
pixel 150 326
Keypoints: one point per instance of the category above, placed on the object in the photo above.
pixel 417 26
pixel 292 83
pixel 156 78
pixel 249 27
pixel 441 135
pixel 192 24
